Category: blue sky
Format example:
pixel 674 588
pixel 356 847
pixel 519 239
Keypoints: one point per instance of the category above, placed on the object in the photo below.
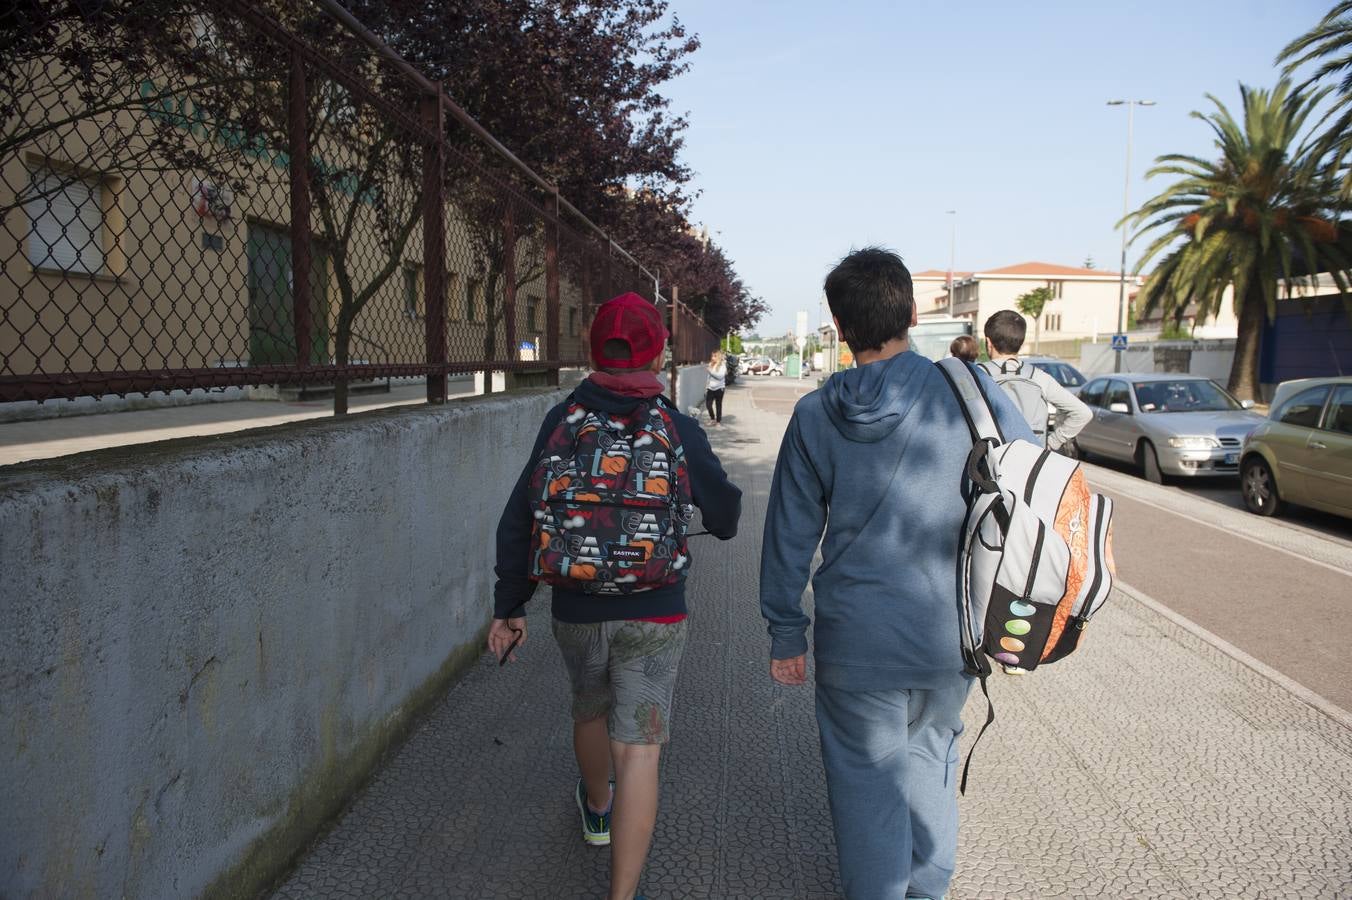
pixel 817 126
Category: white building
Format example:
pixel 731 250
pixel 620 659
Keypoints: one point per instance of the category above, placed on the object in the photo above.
pixel 1083 305
pixel 931 290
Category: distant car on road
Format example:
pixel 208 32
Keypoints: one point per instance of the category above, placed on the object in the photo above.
pixel 1302 454
pixel 1065 374
pixel 1182 425
pixel 764 366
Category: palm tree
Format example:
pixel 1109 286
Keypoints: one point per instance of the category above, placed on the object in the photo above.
pixel 1031 305
pixel 1266 212
pixel 1330 44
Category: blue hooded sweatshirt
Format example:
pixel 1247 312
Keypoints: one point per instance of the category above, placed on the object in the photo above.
pixel 871 468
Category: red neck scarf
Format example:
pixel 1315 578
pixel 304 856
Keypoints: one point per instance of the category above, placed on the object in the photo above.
pixel 642 384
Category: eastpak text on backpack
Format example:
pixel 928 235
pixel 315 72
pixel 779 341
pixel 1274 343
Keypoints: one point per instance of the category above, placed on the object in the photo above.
pixel 1020 383
pixel 612 502
pixel 1035 558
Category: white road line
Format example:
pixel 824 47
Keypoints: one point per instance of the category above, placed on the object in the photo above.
pixel 1302 693
pixel 1102 484
pixel 1253 540
pixel 1281 522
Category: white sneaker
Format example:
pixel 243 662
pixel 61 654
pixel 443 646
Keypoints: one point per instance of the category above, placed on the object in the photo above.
pixel 1014 670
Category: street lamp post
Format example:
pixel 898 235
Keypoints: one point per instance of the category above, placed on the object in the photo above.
pixel 952 253
pixel 1126 210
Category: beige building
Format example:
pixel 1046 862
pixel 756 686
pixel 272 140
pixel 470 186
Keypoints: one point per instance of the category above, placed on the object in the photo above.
pixel 931 290
pixel 116 260
pixel 1084 303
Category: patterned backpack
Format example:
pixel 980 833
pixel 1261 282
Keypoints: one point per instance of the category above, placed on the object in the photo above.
pixel 612 502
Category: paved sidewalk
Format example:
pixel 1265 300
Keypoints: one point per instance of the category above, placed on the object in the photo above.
pixel 63 435
pixel 1149 765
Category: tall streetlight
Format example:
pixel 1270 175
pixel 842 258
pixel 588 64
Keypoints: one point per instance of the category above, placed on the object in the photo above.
pixel 952 248
pixel 1126 210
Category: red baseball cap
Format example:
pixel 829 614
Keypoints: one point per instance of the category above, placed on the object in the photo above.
pixel 635 321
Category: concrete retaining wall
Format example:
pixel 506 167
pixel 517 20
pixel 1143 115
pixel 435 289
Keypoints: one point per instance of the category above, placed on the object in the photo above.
pixel 1210 359
pixel 690 383
pixel 208 643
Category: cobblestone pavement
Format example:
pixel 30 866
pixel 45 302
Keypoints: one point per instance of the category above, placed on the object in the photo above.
pixel 1149 765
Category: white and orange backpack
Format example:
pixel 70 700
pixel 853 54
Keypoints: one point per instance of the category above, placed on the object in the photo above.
pixel 1035 558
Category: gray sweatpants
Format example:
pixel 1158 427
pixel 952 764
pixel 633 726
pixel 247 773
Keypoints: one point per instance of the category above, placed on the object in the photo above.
pixel 891 761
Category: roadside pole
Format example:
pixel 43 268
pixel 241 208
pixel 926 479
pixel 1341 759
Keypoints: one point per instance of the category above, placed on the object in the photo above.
pixel 801 335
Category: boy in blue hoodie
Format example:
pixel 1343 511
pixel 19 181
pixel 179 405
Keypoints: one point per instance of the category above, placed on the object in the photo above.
pixel 621 651
pixel 870 469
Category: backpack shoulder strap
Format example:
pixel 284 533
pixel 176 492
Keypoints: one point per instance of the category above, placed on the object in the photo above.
pixel 976 408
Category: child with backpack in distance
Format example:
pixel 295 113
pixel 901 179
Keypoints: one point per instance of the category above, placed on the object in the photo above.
pixel 871 469
pixel 601 512
pixel 1037 394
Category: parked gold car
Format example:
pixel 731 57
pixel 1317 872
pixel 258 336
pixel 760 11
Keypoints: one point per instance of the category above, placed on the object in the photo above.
pixel 1302 454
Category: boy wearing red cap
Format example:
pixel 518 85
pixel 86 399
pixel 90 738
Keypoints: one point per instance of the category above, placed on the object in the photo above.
pixel 622 650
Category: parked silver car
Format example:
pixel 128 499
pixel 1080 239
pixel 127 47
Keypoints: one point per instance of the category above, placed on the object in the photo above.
pixel 1167 424
pixel 1065 374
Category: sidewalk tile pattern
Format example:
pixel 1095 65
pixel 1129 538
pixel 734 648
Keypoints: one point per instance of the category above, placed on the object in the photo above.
pixel 1148 765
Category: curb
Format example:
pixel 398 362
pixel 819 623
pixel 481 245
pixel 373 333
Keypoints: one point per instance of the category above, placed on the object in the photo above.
pixel 1300 692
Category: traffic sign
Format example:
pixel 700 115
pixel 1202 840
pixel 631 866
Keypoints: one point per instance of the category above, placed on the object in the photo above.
pixel 1119 342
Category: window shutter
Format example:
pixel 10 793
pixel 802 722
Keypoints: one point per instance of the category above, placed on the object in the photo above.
pixel 66 216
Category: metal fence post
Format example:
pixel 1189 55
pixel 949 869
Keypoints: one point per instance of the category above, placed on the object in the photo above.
pixel 434 245
pixel 509 281
pixel 588 301
pixel 675 340
pixel 298 146
pixel 553 326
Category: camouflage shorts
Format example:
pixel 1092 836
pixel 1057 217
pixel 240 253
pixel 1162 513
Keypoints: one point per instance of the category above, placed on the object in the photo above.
pixel 625 671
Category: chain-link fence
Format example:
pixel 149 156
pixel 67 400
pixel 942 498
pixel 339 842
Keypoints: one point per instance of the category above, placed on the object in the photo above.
pixel 197 196
pixel 691 340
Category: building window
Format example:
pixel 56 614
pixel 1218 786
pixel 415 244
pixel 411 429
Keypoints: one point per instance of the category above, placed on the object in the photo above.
pixel 66 222
pixel 452 297
pixel 413 292
pixel 1057 288
pixel 533 314
pixel 474 289
pixel 572 321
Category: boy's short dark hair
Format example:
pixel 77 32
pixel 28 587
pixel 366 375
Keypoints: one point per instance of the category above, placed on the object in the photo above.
pixel 964 348
pixel 871 295
pixel 1006 331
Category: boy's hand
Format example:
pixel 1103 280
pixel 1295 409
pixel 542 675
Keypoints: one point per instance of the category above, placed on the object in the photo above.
pixel 502 633
pixel 789 671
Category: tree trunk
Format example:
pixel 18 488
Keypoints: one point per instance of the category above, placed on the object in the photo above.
pixel 490 325
pixel 342 339
pixel 1244 370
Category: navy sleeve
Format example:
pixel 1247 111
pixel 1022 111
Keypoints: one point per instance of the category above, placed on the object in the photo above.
pixel 718 499
pixel 794 522
pixel 514 586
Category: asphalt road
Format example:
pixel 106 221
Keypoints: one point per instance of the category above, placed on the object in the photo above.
pixel 1278 589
